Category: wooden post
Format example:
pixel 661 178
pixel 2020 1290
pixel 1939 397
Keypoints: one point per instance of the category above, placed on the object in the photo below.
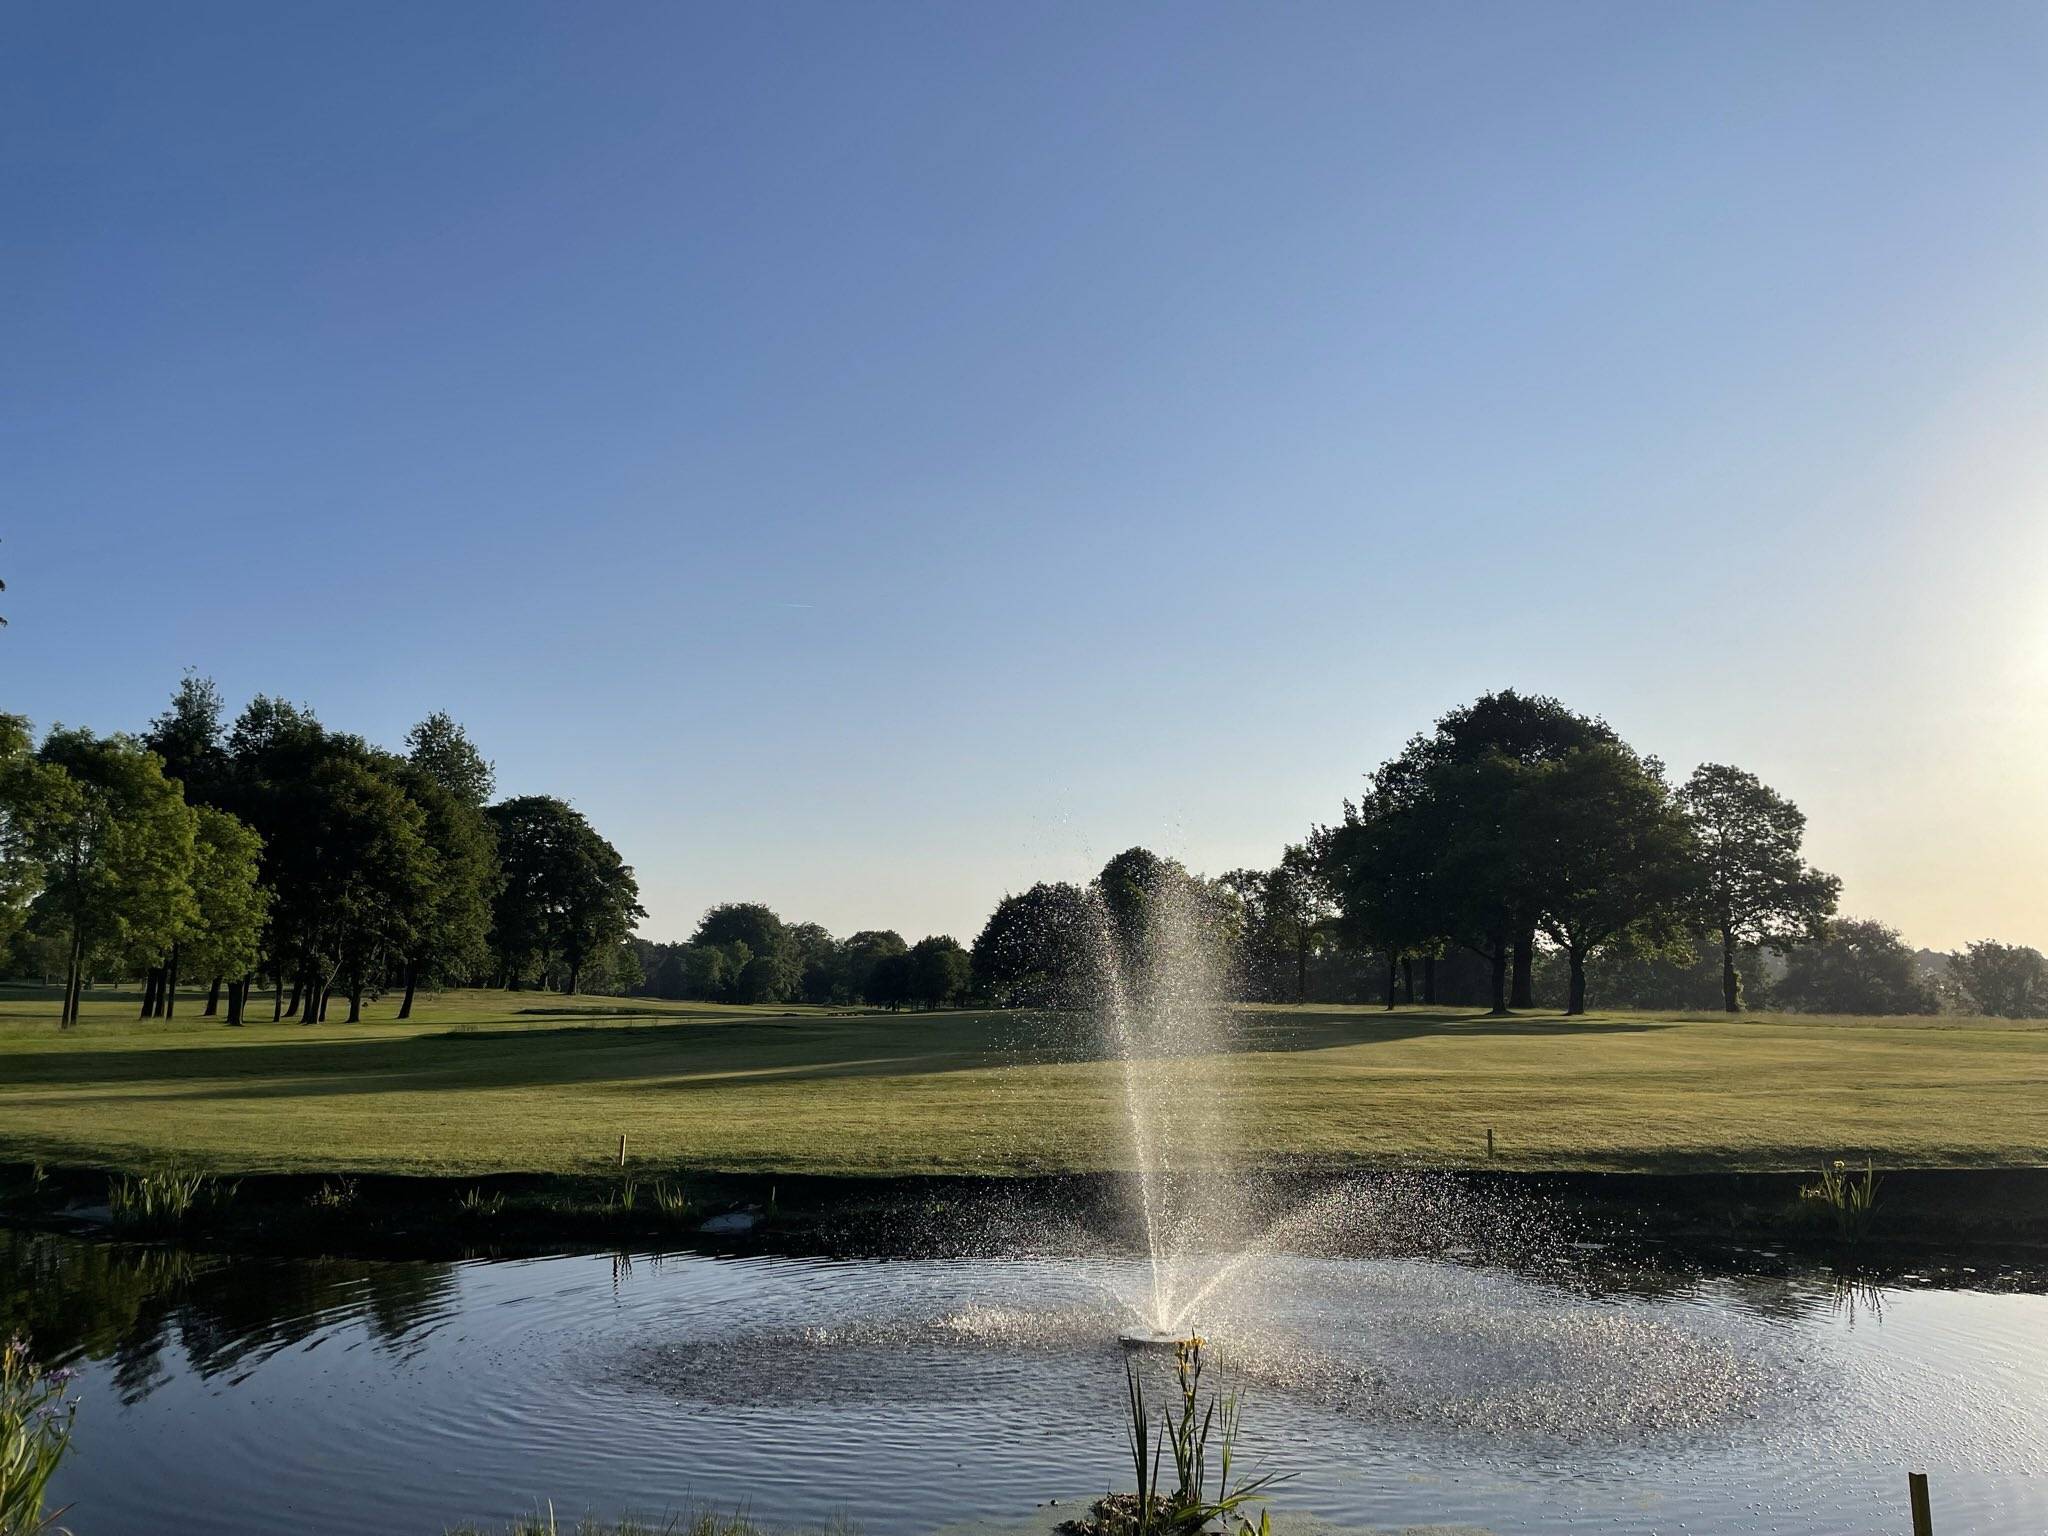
pixel 622 1149
pixel 1489 1143
pixel 1923 1516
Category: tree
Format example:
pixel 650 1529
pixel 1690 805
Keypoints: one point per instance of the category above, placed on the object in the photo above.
pixel 760 981
pixel 1526 730
pixel 566 894
pixel 1041 948
pixel 1752 887
pixel 188 737
pixel 2007 981
pixel 442 750
pixel 1287 914
pixel 1131 886
pixel 1615 855
pixel 112 841
pixel 891 985
pixel 766 937
pixel 225 938
pixel 712 971
pixel 452 939
pixel 273 748
pixel 862 953
pixel 1856 966
pixel 819 963
pixel 378 876
pixel 939 970
pixel 24 785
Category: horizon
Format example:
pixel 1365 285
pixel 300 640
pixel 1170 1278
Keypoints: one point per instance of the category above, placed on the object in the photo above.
pixel 870 463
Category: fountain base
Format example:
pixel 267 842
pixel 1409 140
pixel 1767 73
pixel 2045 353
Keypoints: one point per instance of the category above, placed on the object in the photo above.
pixel 1152 1338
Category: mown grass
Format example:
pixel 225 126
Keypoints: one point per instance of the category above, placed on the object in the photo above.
pixel 481 1082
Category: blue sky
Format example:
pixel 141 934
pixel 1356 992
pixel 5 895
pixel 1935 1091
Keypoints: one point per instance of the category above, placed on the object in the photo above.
pixel 871 457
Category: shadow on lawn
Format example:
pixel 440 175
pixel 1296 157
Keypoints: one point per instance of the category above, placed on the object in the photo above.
pixel 700 1054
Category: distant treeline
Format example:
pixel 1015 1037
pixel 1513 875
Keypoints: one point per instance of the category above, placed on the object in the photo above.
pixel 1518 855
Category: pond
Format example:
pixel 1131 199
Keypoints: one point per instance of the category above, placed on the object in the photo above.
pixel 245 1396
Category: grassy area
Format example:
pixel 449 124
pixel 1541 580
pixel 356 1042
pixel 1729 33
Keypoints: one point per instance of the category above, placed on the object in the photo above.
pixel 485 1081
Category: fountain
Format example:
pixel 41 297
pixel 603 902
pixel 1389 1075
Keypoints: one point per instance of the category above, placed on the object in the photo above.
pixel 1163 1019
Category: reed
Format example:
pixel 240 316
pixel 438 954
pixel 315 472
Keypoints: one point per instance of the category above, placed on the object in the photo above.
pixel 163 1199
pixel 35 1432
pixel 1851 1201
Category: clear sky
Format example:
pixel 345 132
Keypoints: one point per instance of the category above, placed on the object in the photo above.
pixel 869 457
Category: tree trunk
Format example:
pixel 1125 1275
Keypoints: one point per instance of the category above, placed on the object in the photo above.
pixel 212 999
pixel 1408 979
pixel 298 988
pixel 1731 984
pixel 575 976
pixel 277 996
pixel 1523 994
pixel 236 991
pixel 1499 959
pixel 1301 969
pixel 171 984
pixel 326 993
pixel 1392 967
pixel 1429 980
pixel 68 1016
pixel 412 977
pixel 355 997
pixel 1577 1001
pixel 149 986
pixel 309 1006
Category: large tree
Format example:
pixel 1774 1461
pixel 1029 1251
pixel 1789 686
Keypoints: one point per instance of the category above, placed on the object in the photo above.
pixel 863 953
pixel 768 942
pixel 376 881
pixel 225 937
pixel 1856 966
pixel 1613 853
pixel 1040 947
pixel 1527 730
pixel 939 970
pixel 1753 887
pixel 566 893
pixel 451 942
pixel 112 842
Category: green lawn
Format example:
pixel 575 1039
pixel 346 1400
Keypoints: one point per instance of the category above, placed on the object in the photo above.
pixel 486 1081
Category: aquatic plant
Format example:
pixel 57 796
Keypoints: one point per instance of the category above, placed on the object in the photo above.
pixel 1186 1433
pixel 333 1195
pixel 35 1432
pixel 671 1200
pixel 1852 1202
pixel 475 1202
pixel 163 1199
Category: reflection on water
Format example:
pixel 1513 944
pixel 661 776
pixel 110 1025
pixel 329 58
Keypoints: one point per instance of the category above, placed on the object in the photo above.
pixel 125 1304
pixel 321 1396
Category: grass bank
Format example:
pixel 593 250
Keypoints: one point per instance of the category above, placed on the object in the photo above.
pixel 490 1082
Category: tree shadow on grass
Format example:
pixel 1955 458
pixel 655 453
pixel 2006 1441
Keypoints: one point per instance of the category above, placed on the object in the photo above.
pixel 698 1055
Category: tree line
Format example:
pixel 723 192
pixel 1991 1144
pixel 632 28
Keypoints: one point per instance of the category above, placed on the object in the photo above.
pixel 271 848
pixel 1521 850
pixel 1518 851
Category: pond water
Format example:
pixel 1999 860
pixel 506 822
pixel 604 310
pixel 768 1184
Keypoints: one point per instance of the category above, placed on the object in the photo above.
pixel 248 1396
